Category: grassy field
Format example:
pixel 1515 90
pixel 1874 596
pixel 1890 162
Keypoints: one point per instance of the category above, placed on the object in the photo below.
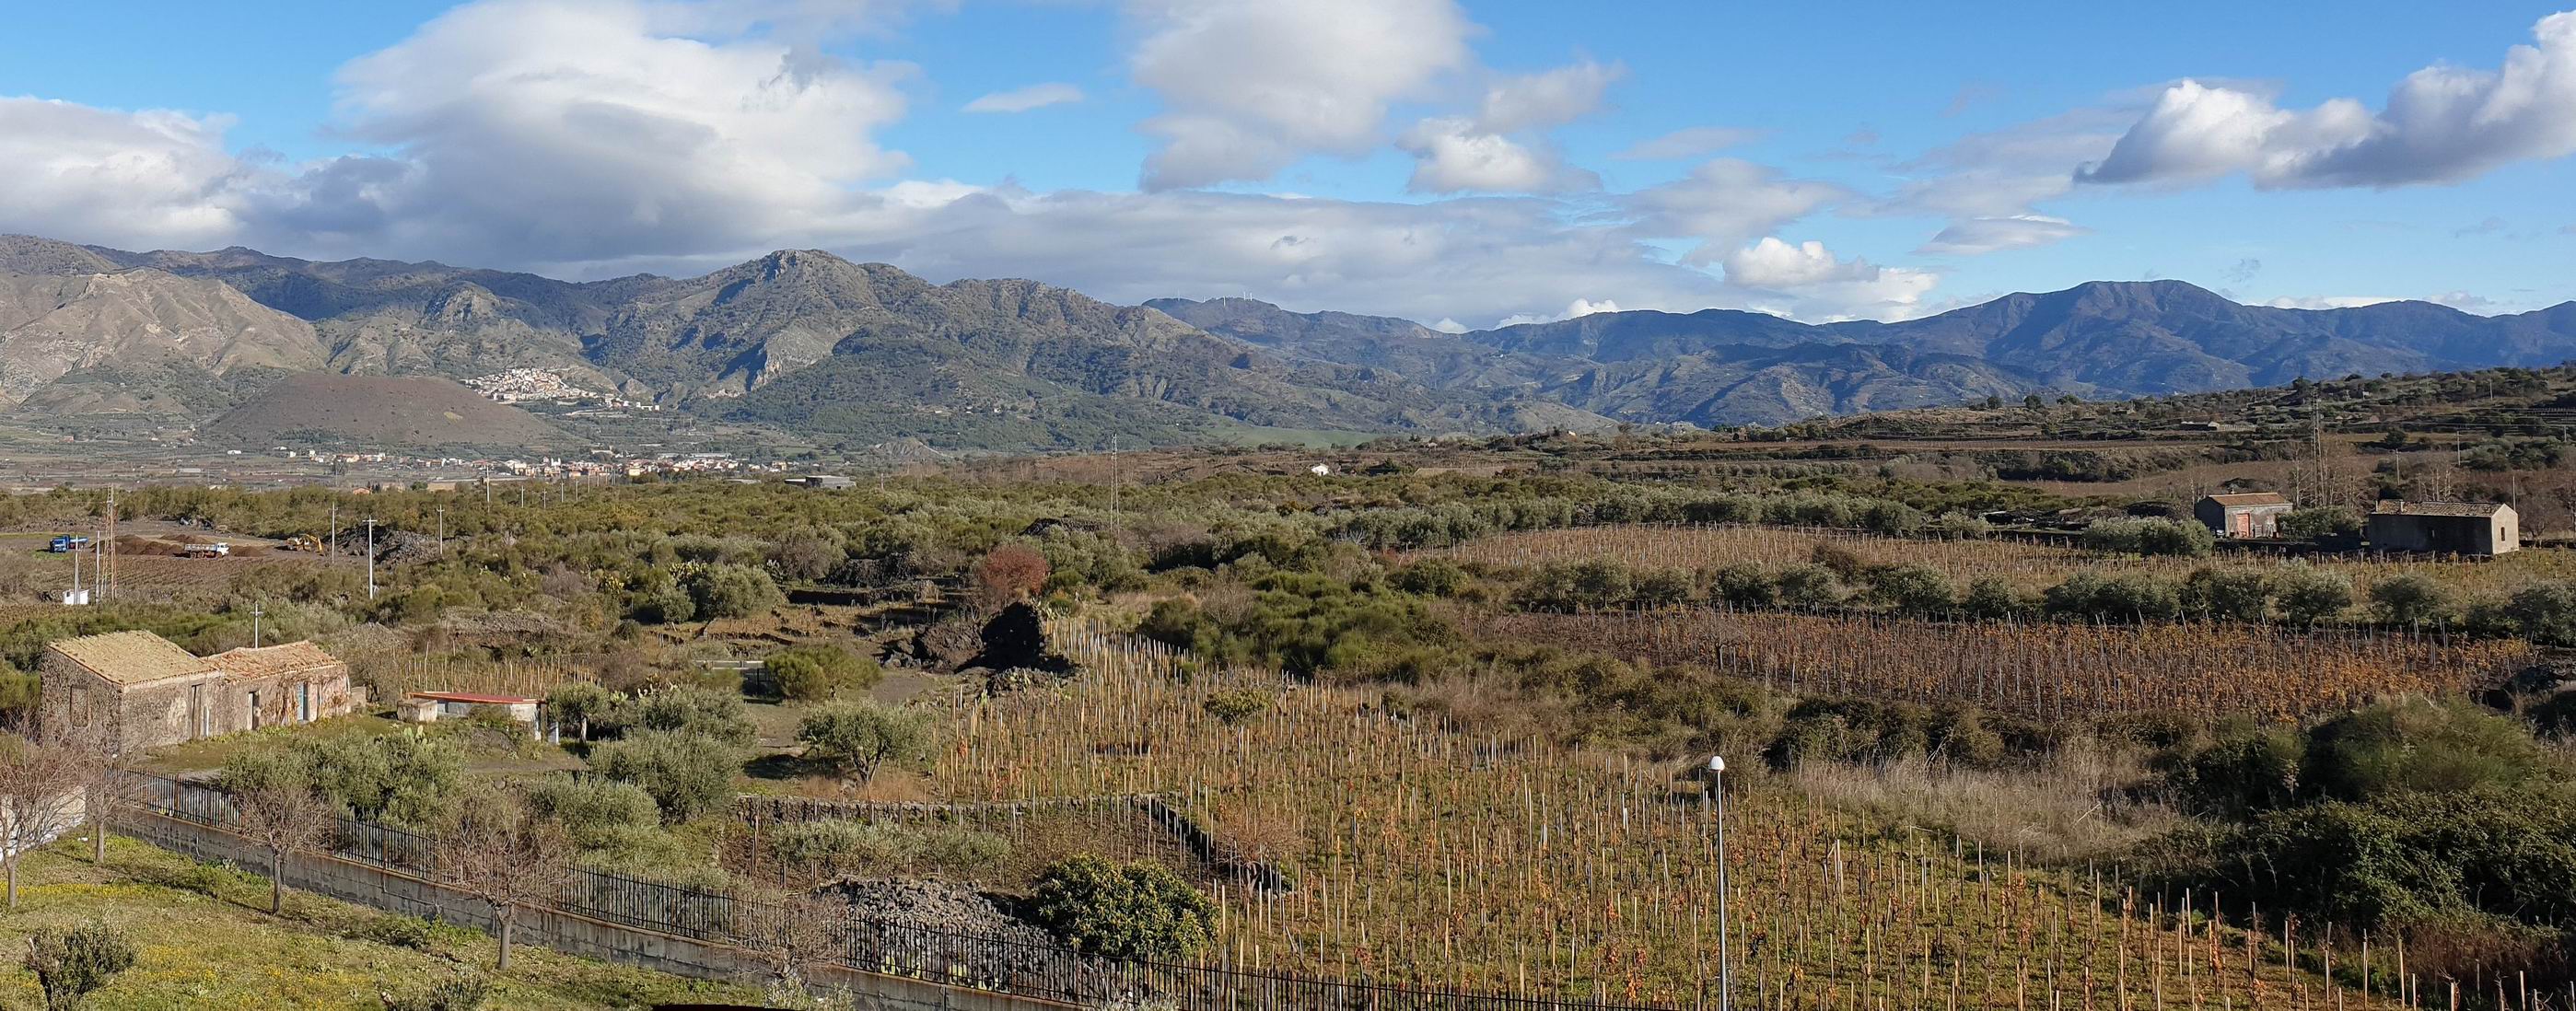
pixel 206 941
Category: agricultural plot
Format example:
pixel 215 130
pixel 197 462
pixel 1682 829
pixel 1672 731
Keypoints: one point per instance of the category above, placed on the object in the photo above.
pixel 2045 671
pixel 2029 566
pixel 1425 857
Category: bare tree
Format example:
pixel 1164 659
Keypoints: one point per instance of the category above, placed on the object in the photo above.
pixel 111 788
pixel 284 820
pixel 806 934
pixel 506 856
pixel 42 787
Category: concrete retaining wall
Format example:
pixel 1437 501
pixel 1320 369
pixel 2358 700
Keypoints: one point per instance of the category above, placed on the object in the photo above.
pixel 368 885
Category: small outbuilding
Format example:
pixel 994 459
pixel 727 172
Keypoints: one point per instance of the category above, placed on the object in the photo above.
pixel 2246 514
pixel 2463 528
pixel 431 707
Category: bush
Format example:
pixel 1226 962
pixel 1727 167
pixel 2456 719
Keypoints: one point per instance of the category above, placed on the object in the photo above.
pixel 2246 771
pixel 2132 597
pixel 858 737
pixel 1743 586
pixel 2411 598
pixel 1992 598
pixel 1576 586
pixel 1235 705
pixel 687 775
pixel 704 712
pixel 2310 595
pixel 590 709
pixel 1914 589
pixel 731 591
pixel 71 964
pixel 2318 522
pixel 2544 614
pixel 398 779
pixel 2138 535
pixel 1430 577
pixel 1959 526
pixel 2227 594
pixel 594 812
pixel 1807 587
pixel 1662 588
pixel 1134 910
pixel 461 992
pixel 2420 746
pixel 818 673
pixel 399 931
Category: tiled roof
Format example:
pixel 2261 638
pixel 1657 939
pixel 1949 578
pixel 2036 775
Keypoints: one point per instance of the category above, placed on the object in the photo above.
pixel 131 658
pixel 2251 498
pixel 246 662
pixel 470 697
pixel 2436 508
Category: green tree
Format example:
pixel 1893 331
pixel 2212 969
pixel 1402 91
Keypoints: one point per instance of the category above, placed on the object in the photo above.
pixel 1743 586
pixel 726 590
pixel 2227 594
pixel 1807 587
pixel 2310 595
pixel 1914 589
pixel 706 712
pixel 1992 598
pixel 1134 910
pixel 2412 598
pixel 2317 522
pixel 590 709
pixel 859 737
pixel 2544 613
pixel 2421 746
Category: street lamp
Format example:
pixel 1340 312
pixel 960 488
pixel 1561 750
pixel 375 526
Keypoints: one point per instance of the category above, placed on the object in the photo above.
pixel 371 558
pixel 1725 969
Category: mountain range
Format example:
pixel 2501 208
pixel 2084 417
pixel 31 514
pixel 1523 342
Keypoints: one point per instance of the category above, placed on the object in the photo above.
pixel 807 342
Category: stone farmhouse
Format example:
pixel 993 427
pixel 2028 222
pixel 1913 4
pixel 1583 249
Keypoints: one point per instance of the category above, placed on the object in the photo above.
pixel 134 690
pixel 2465 528
pixel 2247 514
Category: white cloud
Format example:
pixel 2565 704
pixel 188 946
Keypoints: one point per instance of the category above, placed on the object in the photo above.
pixel 1252 85
pixel 1724 202
pixel 1970 236
pixel 1690 142
pixel 1576 309
pixel 1549 98
pixel 1035 96
pixel 2329 301
pixel 1447 325
pixel 1818 285
pixel 2441 124
pixel 1450 156
pixel 137 179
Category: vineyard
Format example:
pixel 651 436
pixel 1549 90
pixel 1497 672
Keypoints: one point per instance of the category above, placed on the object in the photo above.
pixel 2029 566
pixel 2046 670
pixel 1421 856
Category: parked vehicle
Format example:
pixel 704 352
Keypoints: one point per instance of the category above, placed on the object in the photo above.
pixel 215 550
pixel 67 542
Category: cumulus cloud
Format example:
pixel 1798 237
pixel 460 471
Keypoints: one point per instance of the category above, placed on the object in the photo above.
pixel 1724 202
pixel 140 179
pixel 1977 235
pixel 1250 85
pixel 1452 155
pixel 1690 142
pixel 2441 124
pixel 1819 285
pixel 1576 309
pixel 1035 96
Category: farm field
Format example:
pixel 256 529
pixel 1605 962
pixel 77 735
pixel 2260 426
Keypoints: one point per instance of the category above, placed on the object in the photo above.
pixel 2028 565
pixel 1431 858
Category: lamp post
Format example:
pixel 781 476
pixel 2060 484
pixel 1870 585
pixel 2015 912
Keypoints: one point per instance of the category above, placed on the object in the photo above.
pixel 371 558
pixel 1725 969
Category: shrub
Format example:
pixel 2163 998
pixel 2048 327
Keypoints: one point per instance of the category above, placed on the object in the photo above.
pixel 1133 910
pixel 1992 598
pixel 704 712
pixel 843 841
pixel 2130 597
pixel 461 992
pixel 2544 613
pixel 1574 586
pixel 2420 746
pixel 858 737
pixel 2411 598
pixel 1957 526
pixel 590 709
pixel 2139 535
pixel 1662 588
pixel 687 775
pixel 2309 595
pixel 2227 594
pixel 1235 705
pixel 1430 577
pixel 1914 589
pixel 817 673
pixel 1009 573
pixel 71 964
pixel 726 590
pixel 2246 771
pixel 400 779
pixel 1809 587
pixel 2317 522
pixel 594 812
pixel 399 931
pixel 1744 586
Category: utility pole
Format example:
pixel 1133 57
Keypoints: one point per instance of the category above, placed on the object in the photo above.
pixel 334 532
pixel 1114 487
pixel 442 531
pixel 371 558
pixel 1725 969
pixel 257 609
pixel 108 547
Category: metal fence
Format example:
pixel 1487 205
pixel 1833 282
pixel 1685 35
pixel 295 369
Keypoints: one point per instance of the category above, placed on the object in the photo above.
pixel 970 961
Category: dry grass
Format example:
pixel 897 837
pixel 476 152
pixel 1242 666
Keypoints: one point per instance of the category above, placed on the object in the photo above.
pixel 2073 808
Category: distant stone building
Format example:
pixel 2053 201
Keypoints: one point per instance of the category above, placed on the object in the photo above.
pixel 135 690
pixel 2466 528
pixel 2250 514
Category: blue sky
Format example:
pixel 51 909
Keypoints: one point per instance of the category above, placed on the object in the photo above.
pixel 1459 162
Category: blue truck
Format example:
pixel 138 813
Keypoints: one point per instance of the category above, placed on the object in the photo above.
pixel 68 542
